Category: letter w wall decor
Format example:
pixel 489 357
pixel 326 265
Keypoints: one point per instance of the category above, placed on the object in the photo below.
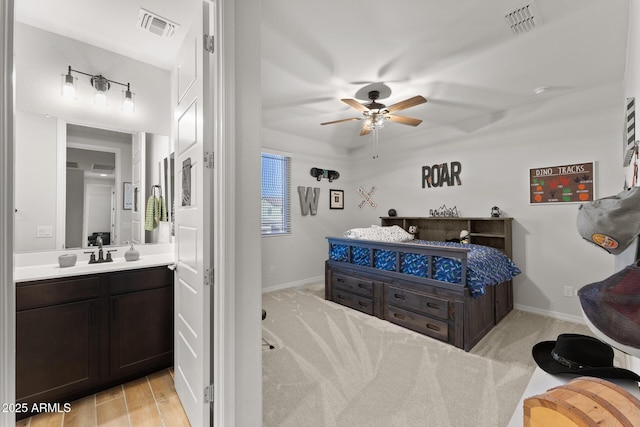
pixel 309 197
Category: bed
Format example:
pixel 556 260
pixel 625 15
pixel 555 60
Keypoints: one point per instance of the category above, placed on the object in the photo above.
pixel 454 292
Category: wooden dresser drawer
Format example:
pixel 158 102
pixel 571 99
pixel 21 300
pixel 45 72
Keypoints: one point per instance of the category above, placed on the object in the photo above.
pixel 423 324
pixel 353 284
pixel 56 291
pixel 426 304
pixel 356 302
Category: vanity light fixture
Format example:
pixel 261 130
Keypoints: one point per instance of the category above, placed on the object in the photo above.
pixel 101 85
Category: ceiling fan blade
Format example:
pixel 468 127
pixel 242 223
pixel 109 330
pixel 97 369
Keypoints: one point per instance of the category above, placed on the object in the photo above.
pixel 366 128
pixel 340 121
pixel 405 120
pixel 407 103
pixel 355 104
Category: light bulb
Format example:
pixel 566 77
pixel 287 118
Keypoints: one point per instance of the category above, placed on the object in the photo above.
pixel 68 86
pixel 127 103
pixel 100 99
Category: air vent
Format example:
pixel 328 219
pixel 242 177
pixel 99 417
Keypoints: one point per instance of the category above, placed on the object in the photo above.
pixel 73 165
pixel 524 18
pixel 102 168
pixel 148 21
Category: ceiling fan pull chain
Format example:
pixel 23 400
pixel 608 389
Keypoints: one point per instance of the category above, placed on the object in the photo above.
pixel 375 143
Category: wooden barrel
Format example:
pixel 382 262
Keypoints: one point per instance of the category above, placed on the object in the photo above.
pixel 583 402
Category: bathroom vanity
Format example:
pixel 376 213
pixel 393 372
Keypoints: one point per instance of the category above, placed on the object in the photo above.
pixel 84 332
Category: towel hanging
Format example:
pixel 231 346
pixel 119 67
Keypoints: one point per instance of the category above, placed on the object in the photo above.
pixel 156 209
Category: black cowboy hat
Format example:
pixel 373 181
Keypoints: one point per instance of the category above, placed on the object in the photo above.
pixel 580 355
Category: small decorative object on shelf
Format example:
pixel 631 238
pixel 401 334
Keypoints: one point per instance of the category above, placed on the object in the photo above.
pixel 413 229
pixel 464 236
pixel 392 212
pixel 444 212
pixel 496 212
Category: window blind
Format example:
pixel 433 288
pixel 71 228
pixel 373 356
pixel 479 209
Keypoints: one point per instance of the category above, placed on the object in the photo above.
pixel 276 202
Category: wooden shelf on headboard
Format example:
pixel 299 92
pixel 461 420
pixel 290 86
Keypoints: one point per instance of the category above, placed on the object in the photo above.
pixel 494 232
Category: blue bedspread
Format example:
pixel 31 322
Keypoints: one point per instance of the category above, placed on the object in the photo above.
pixel 485 265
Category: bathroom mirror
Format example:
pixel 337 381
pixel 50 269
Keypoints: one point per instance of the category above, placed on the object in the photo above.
pixel 101 178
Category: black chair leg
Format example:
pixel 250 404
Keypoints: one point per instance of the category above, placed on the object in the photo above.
pixel 265 342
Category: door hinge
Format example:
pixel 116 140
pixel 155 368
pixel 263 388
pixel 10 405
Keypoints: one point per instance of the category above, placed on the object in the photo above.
pixel 208 394
pixel 209 43
pixel 208 276
pixel 208 159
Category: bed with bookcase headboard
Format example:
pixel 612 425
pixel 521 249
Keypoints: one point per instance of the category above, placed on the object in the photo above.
pixel 451 291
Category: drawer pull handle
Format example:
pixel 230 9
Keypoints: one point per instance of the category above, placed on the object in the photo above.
pixel 399 316
pixel 363 304
pixel 399 296
pixel 363 285
pixel 432 305
pixel 433 327
pixel 341 296
pixel 340 280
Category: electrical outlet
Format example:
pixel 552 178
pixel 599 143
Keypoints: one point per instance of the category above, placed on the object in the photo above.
pixel 568 291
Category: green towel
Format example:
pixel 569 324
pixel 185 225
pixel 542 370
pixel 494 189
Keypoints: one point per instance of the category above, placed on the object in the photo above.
pixel 150 214
pixel 156 212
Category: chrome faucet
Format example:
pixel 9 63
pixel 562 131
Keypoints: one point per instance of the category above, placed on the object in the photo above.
pixel 100 252
pixel 101 258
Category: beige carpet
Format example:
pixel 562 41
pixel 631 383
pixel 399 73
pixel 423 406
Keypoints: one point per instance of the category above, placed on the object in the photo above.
pixel 333 366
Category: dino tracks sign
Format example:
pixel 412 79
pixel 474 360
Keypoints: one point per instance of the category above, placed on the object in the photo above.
pixel 562 184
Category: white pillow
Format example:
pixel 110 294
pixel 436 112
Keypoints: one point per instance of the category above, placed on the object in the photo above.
pixel 393 233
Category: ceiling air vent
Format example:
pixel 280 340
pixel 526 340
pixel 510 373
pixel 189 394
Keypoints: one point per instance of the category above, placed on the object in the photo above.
pixel 73 165
pixel 524 18
pixel 102 168
pixel 148 21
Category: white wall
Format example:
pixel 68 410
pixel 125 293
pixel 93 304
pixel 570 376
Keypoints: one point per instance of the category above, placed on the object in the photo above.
pixel 299 257
pixel 632 89
pixel 35 180
pixel 577 127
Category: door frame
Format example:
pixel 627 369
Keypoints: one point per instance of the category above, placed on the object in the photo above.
pixel 238 392
pixel 7 290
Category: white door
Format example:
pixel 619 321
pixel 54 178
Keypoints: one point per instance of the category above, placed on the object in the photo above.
pixel 98 210
pixel 193 238
pixel 138 148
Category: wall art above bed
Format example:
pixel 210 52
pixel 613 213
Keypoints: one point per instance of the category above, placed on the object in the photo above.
pixel 573 183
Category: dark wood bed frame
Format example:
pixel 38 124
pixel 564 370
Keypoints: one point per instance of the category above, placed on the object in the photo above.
pixel 442 310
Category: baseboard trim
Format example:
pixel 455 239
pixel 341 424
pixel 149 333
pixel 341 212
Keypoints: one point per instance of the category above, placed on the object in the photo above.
pixel 549 313
pixel 293 284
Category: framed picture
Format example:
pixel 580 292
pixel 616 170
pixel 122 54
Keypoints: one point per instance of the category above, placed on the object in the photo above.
pixel 127 196
pixel 336 199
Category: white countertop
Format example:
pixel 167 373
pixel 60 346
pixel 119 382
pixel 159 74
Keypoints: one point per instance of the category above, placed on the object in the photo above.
pixel 44 265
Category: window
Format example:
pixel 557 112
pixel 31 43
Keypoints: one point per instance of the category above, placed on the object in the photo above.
pixel 276 202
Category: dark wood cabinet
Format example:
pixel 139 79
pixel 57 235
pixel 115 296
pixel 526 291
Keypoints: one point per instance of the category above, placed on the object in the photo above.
pixel 57 351
pixel 136 318
pixel 79 335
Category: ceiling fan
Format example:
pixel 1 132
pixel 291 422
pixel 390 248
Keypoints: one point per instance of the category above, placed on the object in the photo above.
pixel 376 115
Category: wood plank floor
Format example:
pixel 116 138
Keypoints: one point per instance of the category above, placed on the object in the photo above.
pixel 150 401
